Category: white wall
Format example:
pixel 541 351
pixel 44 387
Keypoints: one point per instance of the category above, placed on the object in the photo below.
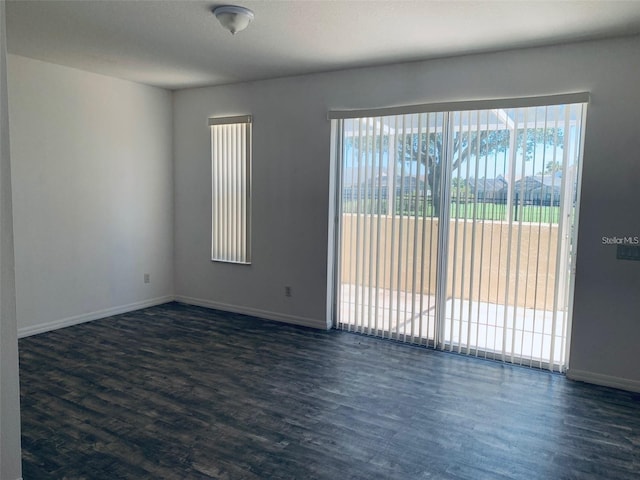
pixel 10 462
pixel 291 183
pixel 93 194
pixel 290 197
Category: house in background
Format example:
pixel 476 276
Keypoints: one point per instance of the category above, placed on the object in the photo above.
pixel 530 190
pixel 539 189
pixel 110 155
pixel 489 189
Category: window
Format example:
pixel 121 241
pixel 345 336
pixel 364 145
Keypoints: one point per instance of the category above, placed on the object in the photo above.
pixel 457 225
pixel 231 189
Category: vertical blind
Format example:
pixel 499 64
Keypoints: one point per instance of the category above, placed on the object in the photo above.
pixel 457 229
pixel 231 189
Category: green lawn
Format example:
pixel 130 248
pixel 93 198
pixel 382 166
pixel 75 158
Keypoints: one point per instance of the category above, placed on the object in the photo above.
pixel 469 210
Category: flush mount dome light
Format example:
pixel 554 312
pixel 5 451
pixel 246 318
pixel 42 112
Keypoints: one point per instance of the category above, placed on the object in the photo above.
pixel 233 18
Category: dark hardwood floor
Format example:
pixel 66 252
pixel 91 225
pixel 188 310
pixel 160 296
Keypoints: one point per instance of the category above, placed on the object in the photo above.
pixel 180 392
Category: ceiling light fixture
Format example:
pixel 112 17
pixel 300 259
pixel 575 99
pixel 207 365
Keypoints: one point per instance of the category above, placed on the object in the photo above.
pixel 233 18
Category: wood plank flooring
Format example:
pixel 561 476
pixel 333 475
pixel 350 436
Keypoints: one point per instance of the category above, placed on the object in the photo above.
pixel 181 392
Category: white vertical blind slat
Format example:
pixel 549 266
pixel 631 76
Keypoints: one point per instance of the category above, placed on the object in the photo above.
pixel 378 137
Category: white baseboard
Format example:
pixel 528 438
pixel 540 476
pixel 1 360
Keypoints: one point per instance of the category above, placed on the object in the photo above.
pixel 604 380
pixel 278 317
pixel 87 317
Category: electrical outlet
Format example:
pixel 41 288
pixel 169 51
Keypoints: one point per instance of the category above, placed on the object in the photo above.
pixel 287 291
pixel 147 278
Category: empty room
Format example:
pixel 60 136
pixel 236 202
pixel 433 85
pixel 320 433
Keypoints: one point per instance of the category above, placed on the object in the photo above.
pixel 319 239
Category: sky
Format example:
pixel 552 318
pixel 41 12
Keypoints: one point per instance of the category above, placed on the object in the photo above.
pixel 552 118
pixel 489 167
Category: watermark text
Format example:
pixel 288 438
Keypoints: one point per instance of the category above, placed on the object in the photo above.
pixel 623 240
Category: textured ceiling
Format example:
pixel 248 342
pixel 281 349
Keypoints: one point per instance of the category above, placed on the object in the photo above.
pixel 178 44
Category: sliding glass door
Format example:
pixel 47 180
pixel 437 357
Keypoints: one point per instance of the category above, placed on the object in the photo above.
pixel 389 230
pixel 456 229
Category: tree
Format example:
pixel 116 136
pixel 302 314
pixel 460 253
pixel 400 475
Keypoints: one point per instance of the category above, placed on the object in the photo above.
pixel 551 167
pixel 459 189
pixel 428 149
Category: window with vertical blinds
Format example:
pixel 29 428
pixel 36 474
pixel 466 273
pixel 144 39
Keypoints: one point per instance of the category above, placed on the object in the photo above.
pixel 457 228
pixel 231 189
